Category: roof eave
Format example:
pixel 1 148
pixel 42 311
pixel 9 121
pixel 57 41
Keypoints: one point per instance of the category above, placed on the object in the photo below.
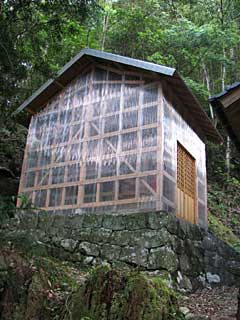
pixel 217 105
pixel 82 59
pixel 148 66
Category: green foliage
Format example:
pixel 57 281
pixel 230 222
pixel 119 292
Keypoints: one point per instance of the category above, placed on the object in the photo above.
pixel 199 38
pixel 224 200
pixel 223 232
pixel 60 274
pixel 224 206
pixel 7 208
pixel 24 202
pixel 34 34
pixel 36 285
pixel 113 294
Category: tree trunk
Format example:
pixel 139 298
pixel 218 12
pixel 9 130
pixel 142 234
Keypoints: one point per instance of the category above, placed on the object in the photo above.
pixel 228 147
pixel 105 26
pixel 206 75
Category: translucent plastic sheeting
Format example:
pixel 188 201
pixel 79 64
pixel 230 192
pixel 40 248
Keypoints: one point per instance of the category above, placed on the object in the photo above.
pixel 176 130
pixel 109 141
pixel 95 146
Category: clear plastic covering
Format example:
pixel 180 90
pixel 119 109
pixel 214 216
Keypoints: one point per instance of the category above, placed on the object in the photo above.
pixel 176 130
pixel 108 141
pixel 95 145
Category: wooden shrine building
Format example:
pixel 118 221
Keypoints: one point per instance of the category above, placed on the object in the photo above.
pixel 114 134
pixel 227 106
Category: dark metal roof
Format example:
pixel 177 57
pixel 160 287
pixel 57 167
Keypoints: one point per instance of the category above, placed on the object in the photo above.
pixel 148 66
pixel 226 91
pixel 229 114
pixel 39 98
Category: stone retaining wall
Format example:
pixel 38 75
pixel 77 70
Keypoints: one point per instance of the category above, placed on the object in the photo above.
pixel 155 242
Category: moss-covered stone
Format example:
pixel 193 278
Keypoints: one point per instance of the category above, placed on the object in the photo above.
pixel 89 249
pixel 84 234
pixel 134 222
pixel 69 244
pixel 110 252
pixel 157 220
pixel 100 235
pixel 137 256
pixel 112 294
pixel 120 237
pixel 92 221
pixel 163 258
pixel 114 222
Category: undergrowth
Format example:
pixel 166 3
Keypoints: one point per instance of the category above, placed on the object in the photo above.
pixel 223 232
pixel 113 294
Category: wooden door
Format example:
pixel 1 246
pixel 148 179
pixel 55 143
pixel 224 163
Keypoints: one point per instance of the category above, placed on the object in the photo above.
pixel 186 185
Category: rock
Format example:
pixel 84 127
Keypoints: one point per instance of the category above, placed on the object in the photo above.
pixel 110 252
pixel 120 237
pixel 88 260
pixel 153 239
pixel 114 222
pixel 202 280
pixel 234 267
pixel 192 316
pixel 84 234
pixel 89 249
pixel 186 284
pixel 100 235
pixel 214 260
pixel 184 310
pixel 27 219
pixel 150 240
pixel 133 255
pixel 194 248
pixel 184 263
pixel 190 231
pixel 68 244
pixel 60 221
pixel 179 246
pixel 157 220
pixel 75 221
pixel 209 243
pixel 213 278
pixel 135 224
pixel 92 221
pixel 163 258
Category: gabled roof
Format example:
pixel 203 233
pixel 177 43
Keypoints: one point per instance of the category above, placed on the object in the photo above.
pixel 38 100
pixel 227 106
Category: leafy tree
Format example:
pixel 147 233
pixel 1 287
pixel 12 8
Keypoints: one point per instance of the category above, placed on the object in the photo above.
pixel 36 38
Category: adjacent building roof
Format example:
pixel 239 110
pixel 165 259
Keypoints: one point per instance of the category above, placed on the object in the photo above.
pixel 87 56
pixel 227 106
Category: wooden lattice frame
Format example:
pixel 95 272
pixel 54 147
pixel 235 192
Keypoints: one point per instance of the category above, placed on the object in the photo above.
pixel 186 185
pixel 140 177
pixel 186 171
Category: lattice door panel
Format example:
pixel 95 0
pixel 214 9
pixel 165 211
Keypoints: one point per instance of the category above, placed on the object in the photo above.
pixel 186 185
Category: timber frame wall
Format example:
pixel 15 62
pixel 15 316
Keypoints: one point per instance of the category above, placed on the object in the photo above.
pixel 107 142
pixel 96 144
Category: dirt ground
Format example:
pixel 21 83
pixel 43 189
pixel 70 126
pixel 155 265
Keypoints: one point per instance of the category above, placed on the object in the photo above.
pixel 214 304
